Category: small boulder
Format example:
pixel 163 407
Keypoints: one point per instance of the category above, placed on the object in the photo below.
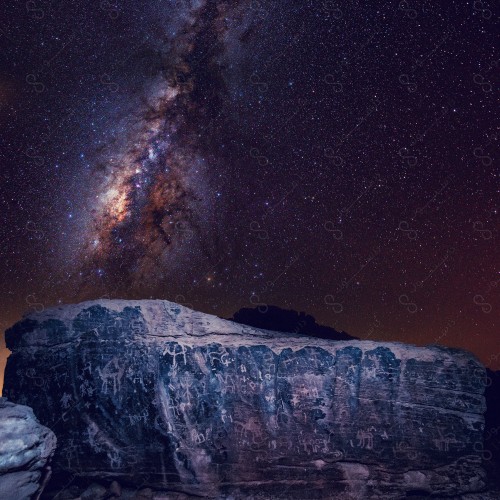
pixel 26 448
pixel 114 490
pixel 144 494
pixel 94 492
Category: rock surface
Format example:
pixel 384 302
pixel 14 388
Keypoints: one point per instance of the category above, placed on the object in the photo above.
pixel 26 448
pixel 491 452
pixel 155 395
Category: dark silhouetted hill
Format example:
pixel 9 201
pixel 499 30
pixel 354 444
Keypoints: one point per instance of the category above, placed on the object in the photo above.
pixel 284 320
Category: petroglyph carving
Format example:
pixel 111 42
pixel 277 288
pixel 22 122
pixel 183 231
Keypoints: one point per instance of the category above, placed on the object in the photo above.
pixel 252 429
pixel 111 374
pixel 176 351
pixel 402 449
pixel 136 419
pixel 442 442
pixel 66 400
pixel 365 438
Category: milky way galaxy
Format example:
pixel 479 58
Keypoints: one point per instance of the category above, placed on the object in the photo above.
pixel 148 198
pixel 153 198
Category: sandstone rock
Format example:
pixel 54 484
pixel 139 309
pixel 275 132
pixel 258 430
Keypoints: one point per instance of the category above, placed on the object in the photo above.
pixel 176 400
pixel 114 490
pixel 26 448
pixel 64 494
pixel 144 494
pixel 94 492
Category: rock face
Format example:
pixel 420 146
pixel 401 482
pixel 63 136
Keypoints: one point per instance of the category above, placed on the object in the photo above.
pixel 491 453
pixel 154 394
pixel 26 447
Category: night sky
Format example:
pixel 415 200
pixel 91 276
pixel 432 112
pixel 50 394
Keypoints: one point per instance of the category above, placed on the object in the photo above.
pixel 333 158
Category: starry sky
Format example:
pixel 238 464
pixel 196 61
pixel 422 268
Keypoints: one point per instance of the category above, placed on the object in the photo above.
pixel 337 158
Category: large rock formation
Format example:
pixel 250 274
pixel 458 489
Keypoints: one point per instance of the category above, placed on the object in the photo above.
pixel 25 450
pixel 152 393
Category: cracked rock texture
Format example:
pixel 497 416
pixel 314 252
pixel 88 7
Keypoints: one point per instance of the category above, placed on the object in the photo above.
pixel 152 393
pixel 25 451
